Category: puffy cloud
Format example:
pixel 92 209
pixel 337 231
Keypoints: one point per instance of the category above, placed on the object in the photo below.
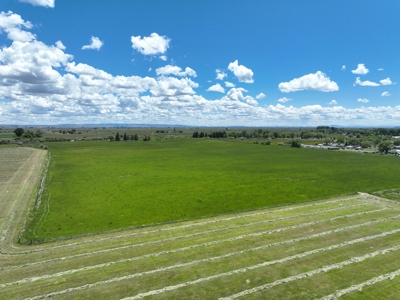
pixel 242 73
pixel 361 70
pixel 251 101
pixel 343 67
pixel 174 70
pixel 284 100
pixel 170 86
pixel 163 57
pixel 315 82
pixel 220 74
pixel 333 102
pixel 236 94
pixel 365 83
pixel 385 94
pixel 60 45
pixel 45 3
pixel 96 44
pixel 229 84
pixel 150 45
pixel 31 63
pixel 260 96
pixel 84 69
pixel 216 88
pixel 386 81
pixel 380 69
pixel 362 100
pixel 12 24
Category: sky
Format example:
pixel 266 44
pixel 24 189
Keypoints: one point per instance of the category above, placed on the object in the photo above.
pixel 200 63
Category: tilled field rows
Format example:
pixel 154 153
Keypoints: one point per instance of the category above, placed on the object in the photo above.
pixel 328 248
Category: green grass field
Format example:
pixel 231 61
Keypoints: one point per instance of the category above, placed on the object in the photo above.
pixel 100 186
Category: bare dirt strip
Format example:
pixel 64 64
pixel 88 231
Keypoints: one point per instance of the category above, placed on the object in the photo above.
pixel 292 252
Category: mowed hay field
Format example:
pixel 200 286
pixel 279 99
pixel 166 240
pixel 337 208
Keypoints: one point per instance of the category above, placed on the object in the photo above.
pixel 346 246
pixel 100 186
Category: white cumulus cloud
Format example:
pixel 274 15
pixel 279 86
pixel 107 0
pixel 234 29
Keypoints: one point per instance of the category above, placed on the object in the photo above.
pixel 362 100
pixel 60 45
pixel 236 94
pixel 150 45
pixel 361 70
pixel 163 57
pixel 260 96
pixel 45 3
pixel 386 81
pixel 365 83
pixel 251 101
pixel 385 94
pixel 12 24
pixel 284 100
pixel 343 67
pixel 242 73
pixel 333 102
pixel 220 74
pixel 84 69
pixel 175 70
pixel 314 82
pixel 216 88
pixel 229 84
pixel 96 44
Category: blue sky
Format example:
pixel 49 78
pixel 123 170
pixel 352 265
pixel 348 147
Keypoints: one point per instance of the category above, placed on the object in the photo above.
pixel 271 63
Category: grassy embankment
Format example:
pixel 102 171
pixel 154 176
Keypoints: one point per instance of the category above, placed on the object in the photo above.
pixel 98 186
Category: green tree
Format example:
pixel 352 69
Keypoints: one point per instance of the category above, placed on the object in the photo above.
pixel 296 143
pixel 136 137
pixel 19 131
pixel 366 144
pixel 195 135
pixel 384 146
pixel 111 138
pixel 125 137
pixel 275 134
pixel 340 140
pixel 117 137
pixel 39 133
pixel 29 134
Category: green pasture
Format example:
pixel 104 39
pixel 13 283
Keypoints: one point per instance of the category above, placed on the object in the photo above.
pixel 98 186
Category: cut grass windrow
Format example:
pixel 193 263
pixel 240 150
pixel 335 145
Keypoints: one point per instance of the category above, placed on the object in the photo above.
pixel 359 287
pixel 301 255
pixel 271 231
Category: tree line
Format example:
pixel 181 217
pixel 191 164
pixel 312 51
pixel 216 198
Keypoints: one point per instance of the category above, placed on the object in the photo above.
pixel 125 137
